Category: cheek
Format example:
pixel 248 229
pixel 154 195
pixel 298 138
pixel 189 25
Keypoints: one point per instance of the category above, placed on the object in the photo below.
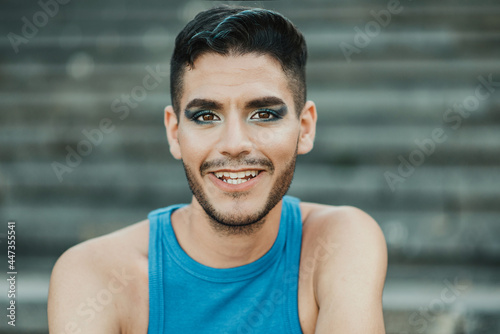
pixel 193 148
pixel 281 133
pixel 279 143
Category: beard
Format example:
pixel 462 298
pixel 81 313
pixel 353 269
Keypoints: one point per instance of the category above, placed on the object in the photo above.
pixel 239 224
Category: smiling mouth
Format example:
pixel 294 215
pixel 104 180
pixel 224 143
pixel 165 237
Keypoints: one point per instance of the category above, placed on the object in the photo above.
pixel 237 177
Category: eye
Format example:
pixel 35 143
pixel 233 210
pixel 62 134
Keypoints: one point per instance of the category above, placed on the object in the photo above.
pixel 266 114
pixel 205 117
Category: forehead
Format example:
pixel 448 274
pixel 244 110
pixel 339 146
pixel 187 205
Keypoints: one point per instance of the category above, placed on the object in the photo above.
pixel 235 79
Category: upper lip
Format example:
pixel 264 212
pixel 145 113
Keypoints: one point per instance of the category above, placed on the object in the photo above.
pixel 235 170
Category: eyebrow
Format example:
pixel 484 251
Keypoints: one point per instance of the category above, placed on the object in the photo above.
pixel 261 102
pixel 203 104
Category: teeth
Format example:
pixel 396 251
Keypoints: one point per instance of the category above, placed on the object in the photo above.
pixel 235 181
pixel 236 178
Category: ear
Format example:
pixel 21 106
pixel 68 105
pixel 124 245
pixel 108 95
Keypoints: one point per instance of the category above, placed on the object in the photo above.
pixel 308 118
pixel 172 128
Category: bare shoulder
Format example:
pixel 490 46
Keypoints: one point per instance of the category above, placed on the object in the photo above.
pixel 349 278
pixel 91 281
pixel 351 232
pixel 343 224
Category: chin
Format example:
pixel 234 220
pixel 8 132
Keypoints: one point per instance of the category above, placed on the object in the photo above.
pixel 236 209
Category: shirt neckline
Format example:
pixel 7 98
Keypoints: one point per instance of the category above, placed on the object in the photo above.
pixel 224 275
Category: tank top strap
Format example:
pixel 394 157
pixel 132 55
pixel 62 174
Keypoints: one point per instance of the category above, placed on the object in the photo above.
pixel 155 268
pixel 293 250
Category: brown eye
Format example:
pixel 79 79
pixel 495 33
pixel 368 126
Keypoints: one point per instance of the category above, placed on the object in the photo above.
pixel 207 117
pixel 264 115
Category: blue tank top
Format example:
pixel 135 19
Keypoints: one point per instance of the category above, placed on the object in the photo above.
pixel 187 297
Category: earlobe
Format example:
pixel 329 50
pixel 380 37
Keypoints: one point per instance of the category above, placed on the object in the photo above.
pixel 307 134
pixel 172 128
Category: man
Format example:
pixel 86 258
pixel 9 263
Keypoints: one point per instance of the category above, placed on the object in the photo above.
pixel 241 257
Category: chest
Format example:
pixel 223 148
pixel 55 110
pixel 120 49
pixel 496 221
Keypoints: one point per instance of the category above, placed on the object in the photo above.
pixel 135 314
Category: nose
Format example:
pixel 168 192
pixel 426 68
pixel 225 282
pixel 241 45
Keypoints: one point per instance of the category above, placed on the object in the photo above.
pixel 234 139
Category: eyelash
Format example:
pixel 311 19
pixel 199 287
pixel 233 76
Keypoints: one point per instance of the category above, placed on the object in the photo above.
pixel 275 116
pixel 200 114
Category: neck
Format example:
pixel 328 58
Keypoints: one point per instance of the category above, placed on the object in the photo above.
pixel 209 246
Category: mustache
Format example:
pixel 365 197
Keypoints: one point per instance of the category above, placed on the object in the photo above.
pixel 231 163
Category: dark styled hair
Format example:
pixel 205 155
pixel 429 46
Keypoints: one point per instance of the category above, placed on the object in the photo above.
pixel 237 30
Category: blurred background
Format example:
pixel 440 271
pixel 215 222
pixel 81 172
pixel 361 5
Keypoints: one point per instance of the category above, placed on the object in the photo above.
pixel 408 95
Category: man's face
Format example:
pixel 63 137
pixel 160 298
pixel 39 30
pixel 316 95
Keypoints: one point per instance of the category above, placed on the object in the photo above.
pixel 237 135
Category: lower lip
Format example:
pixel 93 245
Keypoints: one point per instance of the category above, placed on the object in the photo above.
pixel 228 187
